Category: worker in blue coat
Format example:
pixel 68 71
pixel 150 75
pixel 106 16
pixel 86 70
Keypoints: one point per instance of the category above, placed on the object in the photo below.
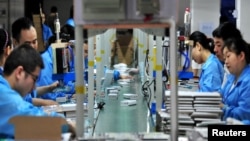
pixel 23 31
pixel 236 91
pixel 19 78
pixel 5 47
pixel 47 32
pixel 212 71
pixel 220 34
pixel 46 73
pixel 47 57
pixel 46 76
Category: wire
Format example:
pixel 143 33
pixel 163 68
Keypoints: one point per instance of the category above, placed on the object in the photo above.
pixel 145 88
pixel 186 64
pixel 164 71
pixel 147 92
pixel 146 63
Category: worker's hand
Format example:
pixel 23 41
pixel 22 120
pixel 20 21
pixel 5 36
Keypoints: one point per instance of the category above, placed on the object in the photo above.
pixel 43 102
pixel 74 96
pixel 54 85
pixel 133 71
pixel 49 102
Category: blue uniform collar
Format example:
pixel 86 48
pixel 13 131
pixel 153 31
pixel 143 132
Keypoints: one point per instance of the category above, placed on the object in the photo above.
pixel 244 73
pixel 209 59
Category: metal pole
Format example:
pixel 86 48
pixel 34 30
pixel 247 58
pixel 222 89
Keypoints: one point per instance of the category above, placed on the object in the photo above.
pixel 173 82
pixel 79 86
pixel 158 69
pixel 102 51
pixel 136 55
pixel 150 57
pixel 91 80
pixel 140 55
pixel 109 39
pixel 98 67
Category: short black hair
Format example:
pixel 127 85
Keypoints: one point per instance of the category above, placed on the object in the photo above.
pixel 25 56
pixel 227 30
pixel 238 45
pixel 21 24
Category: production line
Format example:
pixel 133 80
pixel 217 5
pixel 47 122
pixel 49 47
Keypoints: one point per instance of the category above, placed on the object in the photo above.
pixel 136 82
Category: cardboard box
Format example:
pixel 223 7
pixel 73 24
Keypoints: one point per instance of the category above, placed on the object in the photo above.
pixel 38 128
pixel 38 26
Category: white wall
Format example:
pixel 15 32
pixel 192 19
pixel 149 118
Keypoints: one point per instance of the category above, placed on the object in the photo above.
pixel 183 4
pixel 243 20
pixel 205 15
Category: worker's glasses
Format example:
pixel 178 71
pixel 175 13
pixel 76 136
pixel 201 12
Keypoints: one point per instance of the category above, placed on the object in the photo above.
pixel 34 77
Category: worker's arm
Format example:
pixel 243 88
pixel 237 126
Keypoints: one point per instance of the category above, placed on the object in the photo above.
pixel 43 102
pixel 46 89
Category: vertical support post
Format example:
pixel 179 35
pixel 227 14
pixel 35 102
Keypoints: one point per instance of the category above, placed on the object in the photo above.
pixel 158 69
pixel 140 55
pixel 80 87
pixel 103 52
pixel 151 77
pixel 173 82
pixel 136 55
pixel 91 64
pixel 98 67
pixel 106 47
pixel 109 39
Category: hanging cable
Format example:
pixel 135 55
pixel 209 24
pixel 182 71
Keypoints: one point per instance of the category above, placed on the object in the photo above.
pixel 186 64
pixel 146 63
pixel 165 71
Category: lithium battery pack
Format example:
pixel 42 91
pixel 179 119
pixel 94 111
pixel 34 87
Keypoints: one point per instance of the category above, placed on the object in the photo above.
pixel 113 96
pixel 61 99
pixel 117 87
pixel 71 107
pixel 113 91
pixel 125 80
pixel 130 96
pixel 128 102
pixel 123 83
pixel 69 110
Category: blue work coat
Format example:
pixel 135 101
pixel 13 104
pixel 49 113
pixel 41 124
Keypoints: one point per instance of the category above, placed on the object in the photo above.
pixel 30 96
pixel 47 33
pixel 12 104
pixel 46 73
pixel 212 73
pixel 237 101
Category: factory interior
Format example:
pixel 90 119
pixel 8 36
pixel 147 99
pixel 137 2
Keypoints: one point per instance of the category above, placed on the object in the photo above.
pixel 130 70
